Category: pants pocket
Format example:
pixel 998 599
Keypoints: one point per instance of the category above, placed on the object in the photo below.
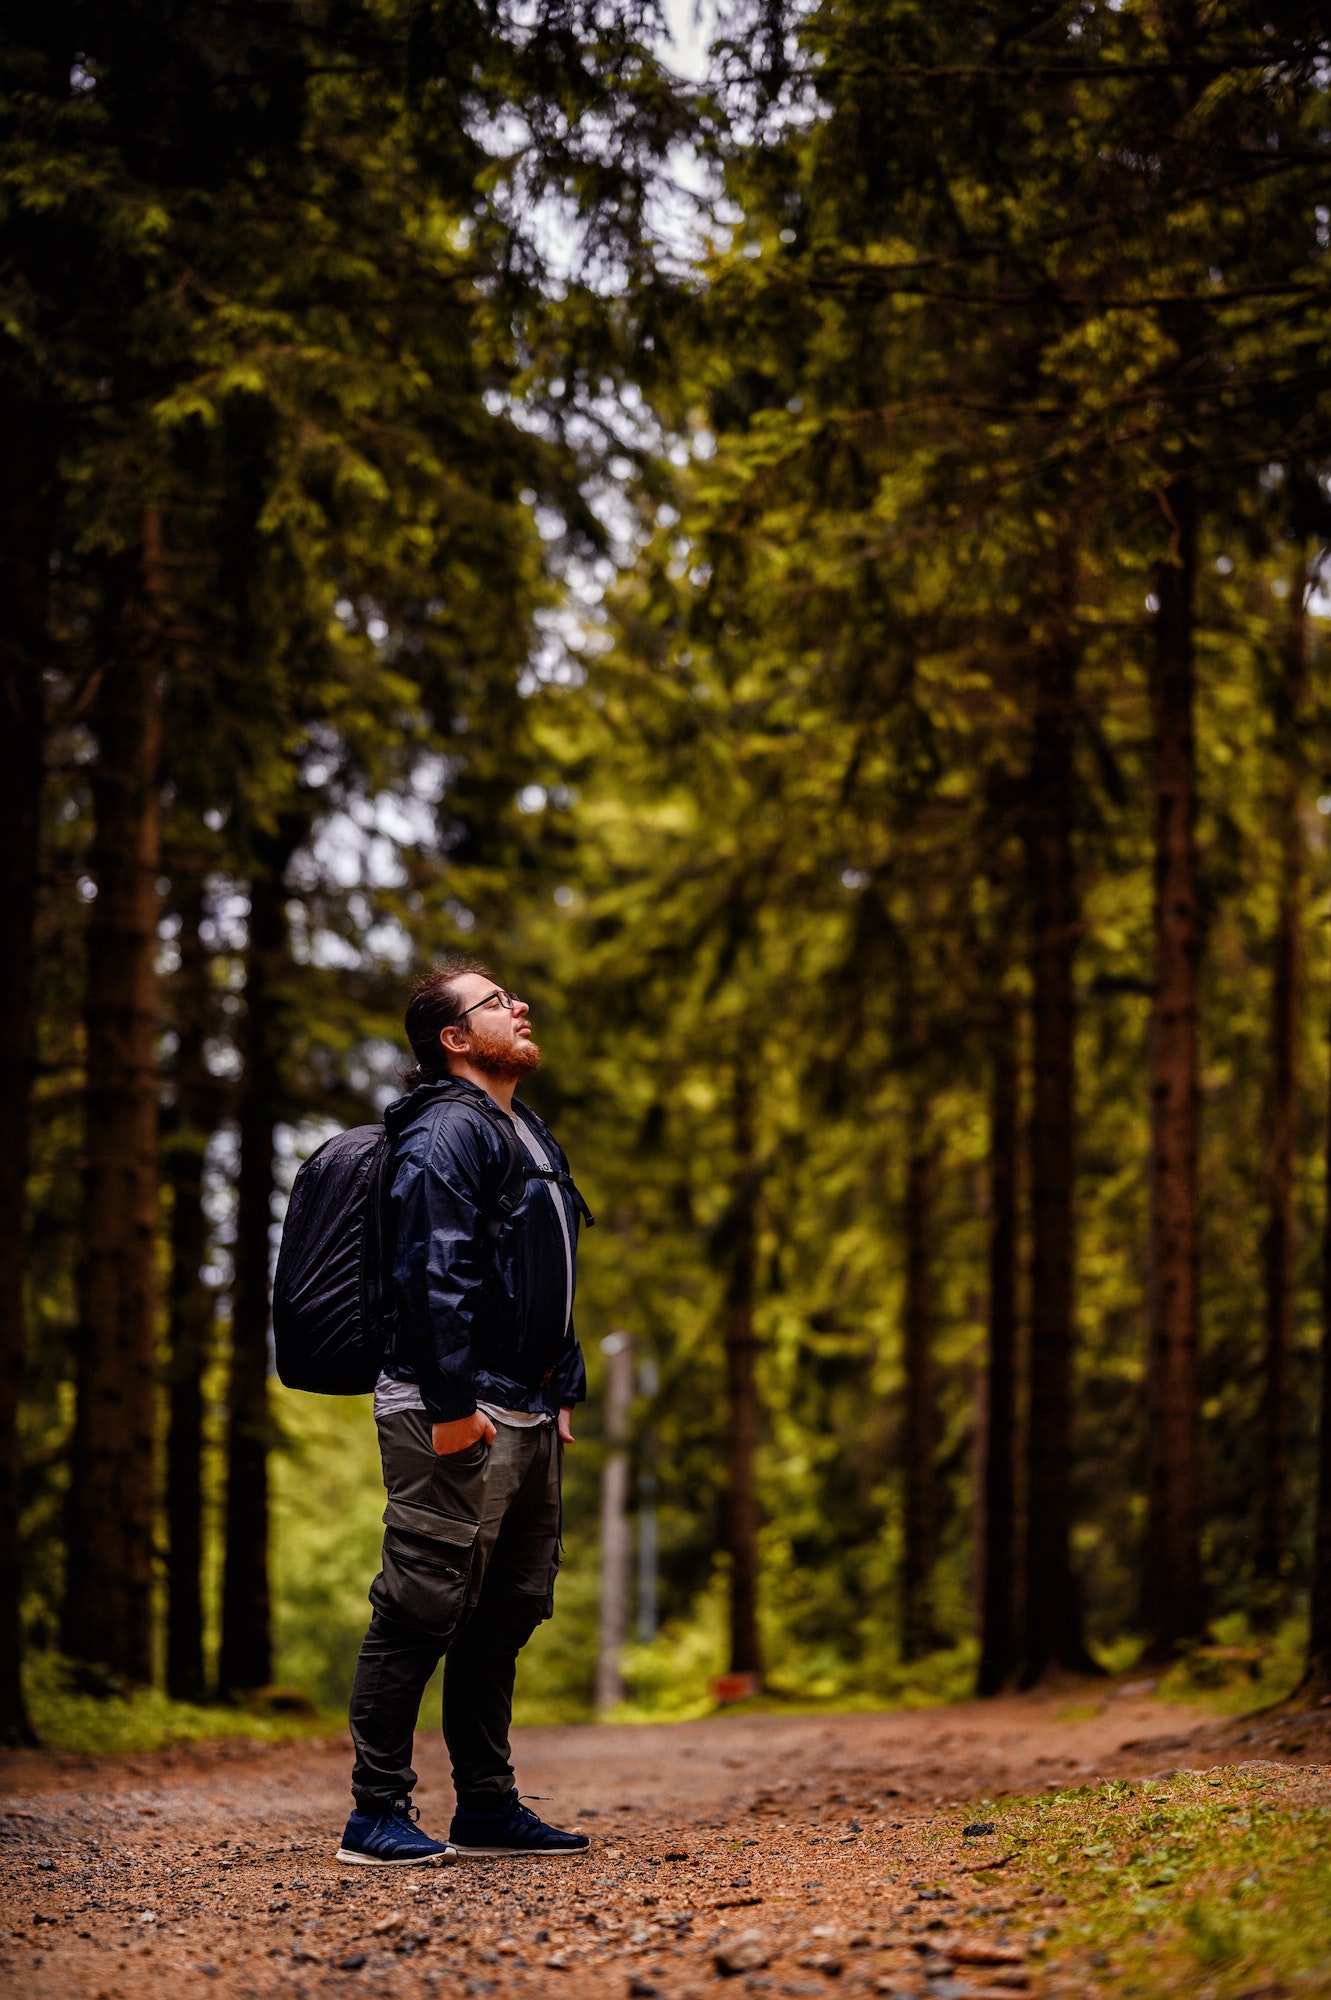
pixel 424 1578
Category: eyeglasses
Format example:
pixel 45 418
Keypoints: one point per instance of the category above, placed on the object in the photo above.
pixel 509 1000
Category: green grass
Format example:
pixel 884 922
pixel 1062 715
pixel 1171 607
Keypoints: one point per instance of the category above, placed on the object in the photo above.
pixel 69 1719
pixel 1213 1885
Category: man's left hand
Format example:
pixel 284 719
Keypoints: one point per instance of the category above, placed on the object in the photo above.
pixel 566 1426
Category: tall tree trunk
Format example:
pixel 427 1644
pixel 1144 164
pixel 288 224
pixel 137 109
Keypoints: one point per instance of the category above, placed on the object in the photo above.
pixel 1317 1673
pixel 1053 1636
pixel 246 1654
pixel 26 475
pixel 190 1301
pixel 917 1615
pixel 742 1519
pixel 616 1528
pixel 998 1642
pixel 1278 1235
pixel 1173 1606
pixel 108 1601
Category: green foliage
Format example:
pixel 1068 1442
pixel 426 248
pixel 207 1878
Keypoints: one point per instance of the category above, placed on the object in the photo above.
pixel 69 1717
pixel 749 797
pixel 925 409
pixel 1240 1669
pixel 327 1497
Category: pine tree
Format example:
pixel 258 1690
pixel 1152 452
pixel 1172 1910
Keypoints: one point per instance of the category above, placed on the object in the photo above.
pixel 998 1622
pixel 245 1660
pixel 191 1303
pixel 1273 1510
pixel 112 1490
pixel 26 480
pixel 1053 1636
pixel 741 1281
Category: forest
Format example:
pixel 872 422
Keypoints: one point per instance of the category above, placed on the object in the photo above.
pixel 816 572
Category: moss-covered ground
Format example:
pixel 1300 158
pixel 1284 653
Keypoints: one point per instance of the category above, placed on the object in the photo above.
pixel 1215 1884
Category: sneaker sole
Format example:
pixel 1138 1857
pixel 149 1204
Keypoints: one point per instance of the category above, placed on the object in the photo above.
pixel 444 1860
pixel 528 1853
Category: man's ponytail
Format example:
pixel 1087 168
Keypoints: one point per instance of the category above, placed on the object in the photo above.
pixel 435 1005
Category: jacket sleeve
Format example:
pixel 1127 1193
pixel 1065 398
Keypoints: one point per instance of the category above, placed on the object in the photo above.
pixel 568 1381
pixel 441 1195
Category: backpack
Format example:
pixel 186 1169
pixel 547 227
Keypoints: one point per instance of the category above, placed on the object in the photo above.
pixel 333 1315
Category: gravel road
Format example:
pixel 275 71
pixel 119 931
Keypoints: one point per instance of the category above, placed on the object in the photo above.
pixel 745 1854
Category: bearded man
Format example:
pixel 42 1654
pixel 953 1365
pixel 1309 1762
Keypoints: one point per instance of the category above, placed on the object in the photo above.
pixel 473 1409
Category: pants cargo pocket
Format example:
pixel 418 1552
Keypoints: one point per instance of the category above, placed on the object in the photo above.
pixel 427 1561
pixel 543 1600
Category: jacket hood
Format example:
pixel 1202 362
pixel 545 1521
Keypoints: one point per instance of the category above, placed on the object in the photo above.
pixel 403 1109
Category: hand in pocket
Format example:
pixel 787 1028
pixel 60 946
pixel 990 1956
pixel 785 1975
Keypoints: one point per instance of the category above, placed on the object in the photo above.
pixel 461 1433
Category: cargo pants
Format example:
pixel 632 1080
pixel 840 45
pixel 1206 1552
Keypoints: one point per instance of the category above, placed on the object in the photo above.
pixel 471 1547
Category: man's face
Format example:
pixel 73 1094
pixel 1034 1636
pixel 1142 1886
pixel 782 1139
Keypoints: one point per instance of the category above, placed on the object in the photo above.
pixel 496 1028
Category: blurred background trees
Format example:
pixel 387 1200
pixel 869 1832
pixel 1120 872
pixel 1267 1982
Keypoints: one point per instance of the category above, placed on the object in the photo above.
pixel 851 655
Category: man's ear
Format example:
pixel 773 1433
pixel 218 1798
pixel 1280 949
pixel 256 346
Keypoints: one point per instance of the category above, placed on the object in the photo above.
pixel 453 1040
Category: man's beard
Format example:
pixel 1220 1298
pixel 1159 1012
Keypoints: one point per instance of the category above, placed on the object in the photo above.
pixel 494 1056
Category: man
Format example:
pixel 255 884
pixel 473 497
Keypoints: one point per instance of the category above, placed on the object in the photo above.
pixel 473 1409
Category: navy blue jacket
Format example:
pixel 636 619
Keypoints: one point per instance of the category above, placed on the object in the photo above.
pixel 481 1318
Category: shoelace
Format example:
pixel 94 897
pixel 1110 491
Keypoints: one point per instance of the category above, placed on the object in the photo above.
pixel 404 1809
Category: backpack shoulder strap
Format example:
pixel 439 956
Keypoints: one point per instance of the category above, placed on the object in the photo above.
pixel 557 1176
pixel 377 1251
pixel 515 1168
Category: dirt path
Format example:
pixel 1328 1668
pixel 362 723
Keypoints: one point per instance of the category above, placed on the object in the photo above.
pixel 838 1839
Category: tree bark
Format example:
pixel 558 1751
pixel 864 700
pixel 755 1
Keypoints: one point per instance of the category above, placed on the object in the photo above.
pixel 246 1657
pixel 190 1301
pixel 27 468
pixel 1173 1603
pixel 1053 1635
pixel 1272 1538
pixel 998 1642
pixel 108 1601
pixel 616 1528
pixel 918 1635
pixel 1317 1672
pixel 742 1517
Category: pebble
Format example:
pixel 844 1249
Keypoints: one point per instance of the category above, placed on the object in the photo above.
pixel 747 1951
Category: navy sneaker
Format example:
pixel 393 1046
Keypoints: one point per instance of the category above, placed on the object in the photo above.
pixel 391 1839
pixel 512 1829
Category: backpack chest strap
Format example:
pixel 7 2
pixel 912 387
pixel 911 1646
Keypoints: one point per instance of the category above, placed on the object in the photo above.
pixel 560 1178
